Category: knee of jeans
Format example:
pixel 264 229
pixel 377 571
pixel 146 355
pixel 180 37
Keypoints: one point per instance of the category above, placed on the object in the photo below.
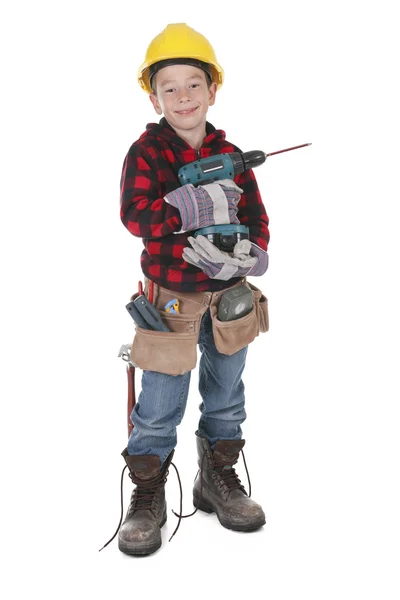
pixel 226 412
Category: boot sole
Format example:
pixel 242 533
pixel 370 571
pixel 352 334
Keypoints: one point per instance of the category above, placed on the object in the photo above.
pixel 205 506
pixel 141 549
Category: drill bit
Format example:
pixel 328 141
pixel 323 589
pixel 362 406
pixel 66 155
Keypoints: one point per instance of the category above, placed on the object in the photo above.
pixel 287 149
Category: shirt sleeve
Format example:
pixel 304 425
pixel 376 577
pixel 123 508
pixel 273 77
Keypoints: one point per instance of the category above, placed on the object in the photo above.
pixel 252 211
pixel 143 210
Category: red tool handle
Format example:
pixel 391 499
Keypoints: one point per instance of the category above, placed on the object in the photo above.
pixel 151 291
pixel 130 370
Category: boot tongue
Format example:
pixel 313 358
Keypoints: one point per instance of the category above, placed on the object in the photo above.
pixel 223 469
pixel 226 452
pixel 144 467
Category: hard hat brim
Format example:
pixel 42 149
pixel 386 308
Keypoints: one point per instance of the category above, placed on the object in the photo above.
pixel 217 72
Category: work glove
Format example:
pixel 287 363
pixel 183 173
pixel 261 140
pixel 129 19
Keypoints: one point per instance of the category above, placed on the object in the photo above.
pixel 210 204
pixel 222 265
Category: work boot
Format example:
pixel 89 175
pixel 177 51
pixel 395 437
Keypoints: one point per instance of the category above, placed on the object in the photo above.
pixel 217 487
pixel 140 533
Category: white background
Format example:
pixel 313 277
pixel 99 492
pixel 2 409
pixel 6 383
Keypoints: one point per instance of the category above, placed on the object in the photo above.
pixel 322 386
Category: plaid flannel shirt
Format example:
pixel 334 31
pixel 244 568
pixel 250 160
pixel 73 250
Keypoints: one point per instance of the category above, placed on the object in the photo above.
pixel 150 171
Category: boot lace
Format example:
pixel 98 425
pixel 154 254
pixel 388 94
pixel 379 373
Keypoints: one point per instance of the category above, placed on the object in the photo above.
pixel 143 496
pixel 229 478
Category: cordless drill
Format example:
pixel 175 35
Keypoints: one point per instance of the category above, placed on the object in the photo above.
pixel 218 167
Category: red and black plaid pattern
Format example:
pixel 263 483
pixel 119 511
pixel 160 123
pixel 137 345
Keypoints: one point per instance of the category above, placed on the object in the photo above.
pixel 150 171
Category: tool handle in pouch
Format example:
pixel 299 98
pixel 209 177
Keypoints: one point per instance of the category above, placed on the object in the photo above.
pixel 149 313
pixel 172 306
pixel 136 316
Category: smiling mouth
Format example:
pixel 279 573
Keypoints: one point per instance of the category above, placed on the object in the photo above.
pixel 188 111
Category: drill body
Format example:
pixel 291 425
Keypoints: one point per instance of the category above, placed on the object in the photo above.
pixel 220 166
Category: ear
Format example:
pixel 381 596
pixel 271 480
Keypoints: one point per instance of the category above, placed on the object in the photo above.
pixel 156 104
pixel 212 91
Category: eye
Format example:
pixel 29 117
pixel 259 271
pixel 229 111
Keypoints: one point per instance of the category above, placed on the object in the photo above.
pixel 194 85
pixel 169 90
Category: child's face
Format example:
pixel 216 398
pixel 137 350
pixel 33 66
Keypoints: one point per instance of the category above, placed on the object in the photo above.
pixel 183 96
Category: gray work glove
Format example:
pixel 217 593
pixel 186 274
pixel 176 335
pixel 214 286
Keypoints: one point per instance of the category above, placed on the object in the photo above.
pixel 210 204
pixel 218 264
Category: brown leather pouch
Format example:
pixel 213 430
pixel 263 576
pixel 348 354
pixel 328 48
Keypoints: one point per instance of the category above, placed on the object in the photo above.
pixel 261 304
pixel 232 336
pixel 173 352
pixel 166 352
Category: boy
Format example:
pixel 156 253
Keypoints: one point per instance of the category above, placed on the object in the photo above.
pixel 181 76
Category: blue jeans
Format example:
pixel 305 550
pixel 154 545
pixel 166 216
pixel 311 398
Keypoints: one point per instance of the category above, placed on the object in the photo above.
pixel 162 400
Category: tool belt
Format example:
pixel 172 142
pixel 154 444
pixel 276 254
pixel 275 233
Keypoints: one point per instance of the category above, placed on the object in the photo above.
pixel 175 352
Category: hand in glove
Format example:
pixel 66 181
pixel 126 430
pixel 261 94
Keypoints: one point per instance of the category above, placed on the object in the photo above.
pixel 221 265
pixel 211 204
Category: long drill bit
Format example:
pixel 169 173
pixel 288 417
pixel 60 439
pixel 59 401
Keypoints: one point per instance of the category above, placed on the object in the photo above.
pixel 287 149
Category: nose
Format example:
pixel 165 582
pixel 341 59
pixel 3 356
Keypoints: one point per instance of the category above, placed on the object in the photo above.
pixel 183 95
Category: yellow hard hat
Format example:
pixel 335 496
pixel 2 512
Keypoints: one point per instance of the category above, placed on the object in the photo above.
pixel 179 41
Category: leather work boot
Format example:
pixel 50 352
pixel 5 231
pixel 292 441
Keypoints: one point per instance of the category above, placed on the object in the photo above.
pixel 217 487
pixel 140 533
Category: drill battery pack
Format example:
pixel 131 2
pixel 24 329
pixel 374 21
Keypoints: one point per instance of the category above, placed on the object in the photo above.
pixel 224 237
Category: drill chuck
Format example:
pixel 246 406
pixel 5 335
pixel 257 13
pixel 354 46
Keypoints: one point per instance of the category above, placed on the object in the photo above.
pixel 242 161
pixel 252 159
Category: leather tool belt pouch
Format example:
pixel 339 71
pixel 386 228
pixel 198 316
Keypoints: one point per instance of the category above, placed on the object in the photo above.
pixel 232 336
pixel 175 352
